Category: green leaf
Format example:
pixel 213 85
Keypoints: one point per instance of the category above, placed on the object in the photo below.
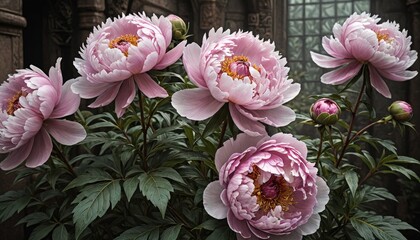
pixel 352 181
pixel 210 224
pixel 92 176
pixel 171 233
pixel 41 231
pixel 216 121
pixel 408 173
pixel 13 202
pixel 376 193
pixel 372 227
pixel 404 159
pixel 60 233
pixel 130 186
pixel 140 233
pixel 167 172
pixel 157 190
pixel 223 232
pixel 34 218
pixel 94 202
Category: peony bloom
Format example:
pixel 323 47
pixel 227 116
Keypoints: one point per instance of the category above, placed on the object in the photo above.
pixel 325 111
pixel 362 40
pixel 117 57
pixel 266 188
pixel 243 71
pixel 401 111
pixel 31 103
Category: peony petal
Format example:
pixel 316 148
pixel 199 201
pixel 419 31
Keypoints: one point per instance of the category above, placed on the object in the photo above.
pixel 231 146
pixel 48 96
pixel 311 226
pixel 292 141
pixel 149 87
pixel 41 150
pixel 87 89
pixel 64 131
pixel 327 61
pixel 16 157
pixel 291 92
pixel 212 201
pixel 238 226
pixel 277 117
pixel 322 197
pixel 248 126
pixel 342 74
pixel 172 56
pixel 378 82
pixel 195 104
pixel 107 96
pixel 68 103
pixel 150 62
pixel 191 60
pixel 125 96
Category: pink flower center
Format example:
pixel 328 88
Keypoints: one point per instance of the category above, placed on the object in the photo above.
pixel 237 67
pixel 124 42
pixel 383 37
pixel 275 192
pixel 13 103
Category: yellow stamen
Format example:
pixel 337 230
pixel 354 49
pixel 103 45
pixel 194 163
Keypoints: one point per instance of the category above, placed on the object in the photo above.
pixel 120 42
pixel 284 197
pixel 13 103
pixel 226 66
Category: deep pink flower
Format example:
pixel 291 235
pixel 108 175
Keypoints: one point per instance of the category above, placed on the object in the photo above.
pixel 118 55
pixel 362 40
pixel 242 70
pixel 325 111
pixel 266 188
pixel 31 103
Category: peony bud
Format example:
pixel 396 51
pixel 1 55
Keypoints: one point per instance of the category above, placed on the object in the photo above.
pixel 400 111
pixel 325 111
pixel 179 28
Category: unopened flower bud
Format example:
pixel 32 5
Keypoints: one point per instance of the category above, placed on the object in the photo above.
pixel 400 111
pixel 179 28
pixel 325 111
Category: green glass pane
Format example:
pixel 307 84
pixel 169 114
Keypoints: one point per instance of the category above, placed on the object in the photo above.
pixel 327 26
pixel 326 1
pixel 311 1
pixel 294 48
pixel 344 9
pixel 312 72
pixel 296 70
pixel 362 6
pixel 312 44
pixel 295 12
pixel 312 27
pixel 312 11
pixel 295 28
pixel 295 1
pixel 328 10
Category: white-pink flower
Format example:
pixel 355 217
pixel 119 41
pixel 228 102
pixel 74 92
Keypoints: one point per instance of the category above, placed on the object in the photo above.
pixel 31 104
pixel 118 56
pixel 266 189
pixel 243 71
pixel 363 40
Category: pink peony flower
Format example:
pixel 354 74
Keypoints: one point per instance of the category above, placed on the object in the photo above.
pixel 401 111
pixel 266 188
pixel 325 111
pixel 241 70
pixel 117 57
pixel 362 40
pixel 31 103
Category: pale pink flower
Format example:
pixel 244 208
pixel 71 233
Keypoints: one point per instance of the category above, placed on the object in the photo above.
pixel 31 103
pixel 118 56
pixel 363 40
pixel 243 71
pixel 401 111
pixel 266 189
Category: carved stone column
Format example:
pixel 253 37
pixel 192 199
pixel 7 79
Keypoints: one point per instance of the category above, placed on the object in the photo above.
pixel 11 58
pixel 211 15
pixel 91 13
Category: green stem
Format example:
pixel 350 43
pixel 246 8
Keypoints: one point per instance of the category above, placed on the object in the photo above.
pixel 358 133
pixel 222 133
pixel 64 159
pixel 353 119
pixel 330 140
pixel 321 141
pixel 144 129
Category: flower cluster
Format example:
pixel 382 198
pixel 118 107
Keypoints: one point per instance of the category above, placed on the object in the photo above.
pixel 267 187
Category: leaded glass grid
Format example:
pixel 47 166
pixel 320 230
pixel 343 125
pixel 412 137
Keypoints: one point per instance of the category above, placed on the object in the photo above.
pixel 307 22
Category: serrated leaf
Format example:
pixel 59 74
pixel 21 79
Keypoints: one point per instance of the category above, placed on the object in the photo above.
pixel 352 181
pixel 13 202
pixel 130 186
pixel 41 231
pixel 60 233
pixel 93 176
pixel 157 190
pixel 140 233
pixel 170 173
pixel 171 233
pixel 96 200
pixel 372 227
